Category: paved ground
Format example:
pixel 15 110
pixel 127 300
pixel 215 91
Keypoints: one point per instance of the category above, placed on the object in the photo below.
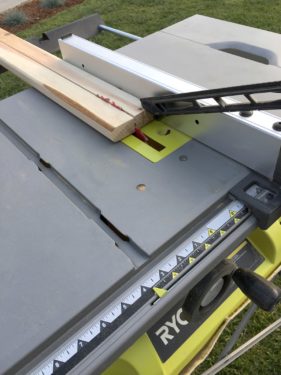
pixel 8 4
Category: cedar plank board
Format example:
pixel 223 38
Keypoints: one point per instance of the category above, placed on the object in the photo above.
pixel 127 102
pixel 110 121
pixel 104 92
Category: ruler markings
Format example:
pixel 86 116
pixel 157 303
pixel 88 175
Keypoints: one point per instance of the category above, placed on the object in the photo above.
pixel 189 250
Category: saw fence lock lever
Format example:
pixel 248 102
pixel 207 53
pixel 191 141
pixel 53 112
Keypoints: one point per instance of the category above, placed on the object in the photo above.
pixel 259 290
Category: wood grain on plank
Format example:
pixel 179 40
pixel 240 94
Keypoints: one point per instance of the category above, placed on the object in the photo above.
pixel 104 92
pixel 105 118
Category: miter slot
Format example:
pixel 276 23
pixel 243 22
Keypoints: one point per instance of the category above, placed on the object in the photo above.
pixel 136 255
pixel 114 229
pixel 52 254
pixel 122 241
pixel 45 163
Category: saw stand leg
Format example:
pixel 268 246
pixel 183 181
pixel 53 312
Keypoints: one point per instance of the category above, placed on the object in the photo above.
pixel 243 349
pixel 226 357
pixel 239 329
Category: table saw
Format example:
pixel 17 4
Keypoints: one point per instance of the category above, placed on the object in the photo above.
pixel 117 258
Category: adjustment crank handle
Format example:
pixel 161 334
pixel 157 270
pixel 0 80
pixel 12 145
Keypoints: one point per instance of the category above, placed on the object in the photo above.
pixel 259 290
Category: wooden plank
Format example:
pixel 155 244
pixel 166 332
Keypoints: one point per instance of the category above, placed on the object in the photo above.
pixel 110 121
pixel 127 102
pixel 114 101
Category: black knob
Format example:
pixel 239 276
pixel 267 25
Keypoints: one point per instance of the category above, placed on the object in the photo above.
pixel 209 293
pixel 262 292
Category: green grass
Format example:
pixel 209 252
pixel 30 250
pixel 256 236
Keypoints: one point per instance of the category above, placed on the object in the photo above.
pixel 263 359
pixel 143 17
